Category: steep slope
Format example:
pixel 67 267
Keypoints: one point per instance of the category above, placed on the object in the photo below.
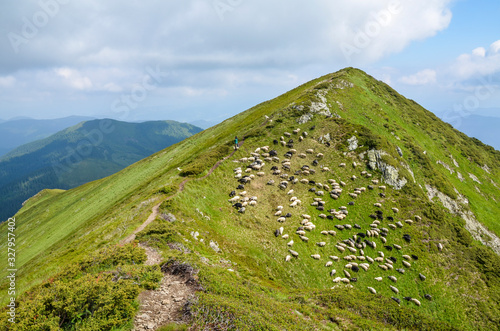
pixel 388 188
pixel 79 154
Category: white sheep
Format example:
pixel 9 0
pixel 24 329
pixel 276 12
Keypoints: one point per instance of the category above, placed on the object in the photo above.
pixel 290 192
pixel 321 244
pixel 407 264
pixel 281 219
pixel 316 256
pixel 288 258
pixel 261 174
pixel 285 236
pixel 372 290
pixel 328 264
pixel 287 134
pixel 394 289
pixel 290 243
pixel 294 253
pixel 378 204
pixel 415 301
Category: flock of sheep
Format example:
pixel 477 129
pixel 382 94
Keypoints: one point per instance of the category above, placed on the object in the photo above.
pixel 363 249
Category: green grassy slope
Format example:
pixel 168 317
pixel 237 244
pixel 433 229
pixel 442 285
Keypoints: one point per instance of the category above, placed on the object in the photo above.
pixel 248 284
pixel 79 154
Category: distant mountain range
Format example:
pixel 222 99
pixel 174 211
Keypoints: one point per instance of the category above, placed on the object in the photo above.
pixel 80 154
pixel 20 131
pixel 484 128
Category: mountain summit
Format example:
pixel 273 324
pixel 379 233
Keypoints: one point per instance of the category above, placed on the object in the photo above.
pixel 344 206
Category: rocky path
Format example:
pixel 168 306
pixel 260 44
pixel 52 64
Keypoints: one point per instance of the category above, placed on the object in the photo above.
pixel 165 304
pixel 156 209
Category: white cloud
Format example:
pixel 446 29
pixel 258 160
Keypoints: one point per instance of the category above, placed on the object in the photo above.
pixel 105 46
pixel 424 77
pixel 478 63
pixel 74 78
pixel 7 81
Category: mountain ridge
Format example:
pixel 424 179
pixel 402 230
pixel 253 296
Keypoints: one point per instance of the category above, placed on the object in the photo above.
pixel 247 279
pixel 79 154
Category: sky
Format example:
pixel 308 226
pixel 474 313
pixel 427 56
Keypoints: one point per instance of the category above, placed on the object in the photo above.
pixel 211 59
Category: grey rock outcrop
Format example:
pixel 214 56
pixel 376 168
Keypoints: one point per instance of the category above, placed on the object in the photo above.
pixel 353 143
pixel 390 174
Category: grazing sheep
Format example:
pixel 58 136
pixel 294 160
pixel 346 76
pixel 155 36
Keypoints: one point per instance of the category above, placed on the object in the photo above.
pixel 422 277
pixel 406 264
pixel 399 224
pixel 409 222
pixel 253 203
pixel 428 297
pixel 401 271
pixel 415 301
pixel 394 279
pixel 270 182
pixel 418 218
pixel 334 258
pixel 369 259
pixel 337 280
pixel 397 247
pixel 333 272
pixel 396 299
pixel 383 266
pixel 261 174
pixel 440 247
pixel 287 134
pixel 242 210
pixel 288 258
pixel 281 219
pixel 340 248
pixel 379 205
pixel 342 165
pixel 302 155
pixel 285 236
pixel 347 274
pixel 278 213
pixel 346 280
pixel 329 264
pixel 364 267
pixel 316 256
pixel 394 209
pixel 394 289
pixel 294 253
pixel 300 232
pixel 303 238
pixel 378 279
pixel 372 290
pixel 375 181
pixel 392 226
